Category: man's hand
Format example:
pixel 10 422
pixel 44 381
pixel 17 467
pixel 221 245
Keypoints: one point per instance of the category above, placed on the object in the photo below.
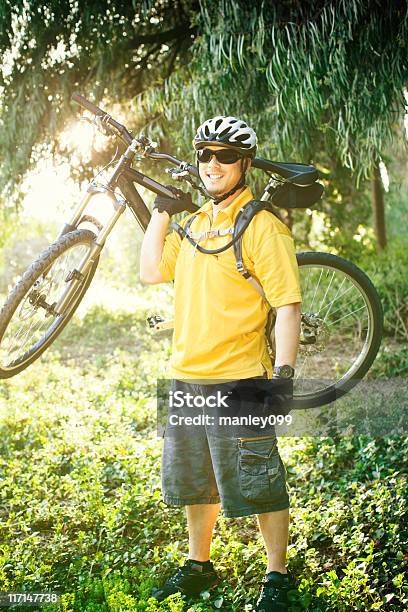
pixel 180 202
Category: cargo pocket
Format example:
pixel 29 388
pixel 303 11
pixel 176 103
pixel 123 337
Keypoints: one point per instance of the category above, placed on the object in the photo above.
pixel 261 473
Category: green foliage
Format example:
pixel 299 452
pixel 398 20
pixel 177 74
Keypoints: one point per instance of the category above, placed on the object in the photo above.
pixel 320 74
pixel 388 272
pixel 22 241
pixel 391 361
pixel 309 77
pixel 340 219
pixel 81 510
pixel 49 50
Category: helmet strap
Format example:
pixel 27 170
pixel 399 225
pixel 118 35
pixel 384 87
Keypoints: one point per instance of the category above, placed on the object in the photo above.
pixel 241 183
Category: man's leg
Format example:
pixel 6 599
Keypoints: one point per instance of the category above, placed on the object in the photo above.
pixel 201 519
pixel 274 527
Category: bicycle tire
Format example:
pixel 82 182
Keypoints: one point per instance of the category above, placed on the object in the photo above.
pixel 368 293
pixel 21 292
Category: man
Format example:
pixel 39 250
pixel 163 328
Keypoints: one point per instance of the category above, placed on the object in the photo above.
pixel 219 336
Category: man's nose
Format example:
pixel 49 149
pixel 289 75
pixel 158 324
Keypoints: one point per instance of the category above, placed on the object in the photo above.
pixel 213 161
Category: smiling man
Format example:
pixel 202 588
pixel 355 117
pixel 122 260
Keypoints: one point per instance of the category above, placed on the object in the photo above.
pixel 219 338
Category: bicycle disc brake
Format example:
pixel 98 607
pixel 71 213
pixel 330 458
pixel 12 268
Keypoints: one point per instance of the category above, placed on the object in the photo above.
pixel 314 335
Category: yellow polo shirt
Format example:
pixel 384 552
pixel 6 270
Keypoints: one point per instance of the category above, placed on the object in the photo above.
pixel 219 318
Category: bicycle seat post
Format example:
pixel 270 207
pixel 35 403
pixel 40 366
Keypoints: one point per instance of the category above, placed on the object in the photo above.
pixel 269 189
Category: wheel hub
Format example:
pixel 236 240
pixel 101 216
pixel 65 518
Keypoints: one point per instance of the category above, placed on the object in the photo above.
pixel 314 335
pixel 37 299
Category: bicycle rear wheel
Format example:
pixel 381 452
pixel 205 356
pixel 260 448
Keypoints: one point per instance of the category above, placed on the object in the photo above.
pixel 341 328
pixel 28 324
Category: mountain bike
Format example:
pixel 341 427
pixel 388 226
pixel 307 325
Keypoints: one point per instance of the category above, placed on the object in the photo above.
pixel 341 321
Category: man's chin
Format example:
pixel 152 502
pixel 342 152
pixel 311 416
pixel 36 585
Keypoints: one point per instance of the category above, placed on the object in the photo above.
pixel 215 191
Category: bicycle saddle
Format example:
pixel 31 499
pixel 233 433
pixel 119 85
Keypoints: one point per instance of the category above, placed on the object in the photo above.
pixel 301 174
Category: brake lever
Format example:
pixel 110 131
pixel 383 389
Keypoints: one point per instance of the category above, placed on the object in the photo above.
pixel 87 119
pixel 177 174
pixel 182 174
pixel 103 125
pixel 148 146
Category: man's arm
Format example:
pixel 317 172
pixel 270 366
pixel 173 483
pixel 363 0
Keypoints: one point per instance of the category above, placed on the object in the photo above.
pixel 152 248
pixel 287 334
pixel 275 267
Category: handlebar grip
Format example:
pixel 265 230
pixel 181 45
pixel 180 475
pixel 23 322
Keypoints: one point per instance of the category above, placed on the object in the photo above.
pixel 76 97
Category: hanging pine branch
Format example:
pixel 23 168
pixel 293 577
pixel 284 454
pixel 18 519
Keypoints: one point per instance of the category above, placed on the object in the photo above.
pixel 310 76
pixel 104 48
pixel 318 76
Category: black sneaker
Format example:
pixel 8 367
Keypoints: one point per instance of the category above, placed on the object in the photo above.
pixel 190 579
pixel 274 594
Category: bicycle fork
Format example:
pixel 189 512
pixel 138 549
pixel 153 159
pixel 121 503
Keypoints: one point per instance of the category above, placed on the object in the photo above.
pixel 77 276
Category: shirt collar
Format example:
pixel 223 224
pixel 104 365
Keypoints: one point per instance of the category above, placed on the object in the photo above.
pixel 233 207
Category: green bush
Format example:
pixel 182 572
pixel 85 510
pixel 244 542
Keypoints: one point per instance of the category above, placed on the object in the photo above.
pixel 80 503
pixel 388 271
pixel 391 361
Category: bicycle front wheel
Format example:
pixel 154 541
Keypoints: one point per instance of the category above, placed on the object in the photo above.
pixel 28 322
pixel 341 328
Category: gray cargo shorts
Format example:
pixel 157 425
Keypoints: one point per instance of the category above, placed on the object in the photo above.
pixel 206 463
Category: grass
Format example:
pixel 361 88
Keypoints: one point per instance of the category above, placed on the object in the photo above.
pixel 80 501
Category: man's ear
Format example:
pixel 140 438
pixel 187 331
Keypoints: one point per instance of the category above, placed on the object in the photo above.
pixel 245 164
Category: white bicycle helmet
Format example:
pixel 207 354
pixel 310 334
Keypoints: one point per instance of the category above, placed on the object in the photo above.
pixel 229 132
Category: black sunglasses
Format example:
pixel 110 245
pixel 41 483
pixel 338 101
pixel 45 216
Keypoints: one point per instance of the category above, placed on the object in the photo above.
pixel 224 156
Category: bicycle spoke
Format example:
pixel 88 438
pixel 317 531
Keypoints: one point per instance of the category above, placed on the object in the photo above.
pixel 303 369
pixel 317 286
pixel 347 315
pixel 336 297
pixel 300 371
pixel 307 284
pixel 327 291
pixel 339 308
pixel 336 322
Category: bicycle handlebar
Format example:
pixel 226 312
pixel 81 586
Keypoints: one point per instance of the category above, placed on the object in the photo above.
pixel 127 136
pixel 299 174
pixel 76 97
pixel 105 117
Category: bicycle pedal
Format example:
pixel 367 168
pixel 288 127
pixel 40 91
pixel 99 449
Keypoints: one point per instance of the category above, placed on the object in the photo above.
pixel 157 323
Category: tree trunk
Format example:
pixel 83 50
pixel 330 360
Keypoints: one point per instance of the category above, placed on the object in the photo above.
pixel 378 208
